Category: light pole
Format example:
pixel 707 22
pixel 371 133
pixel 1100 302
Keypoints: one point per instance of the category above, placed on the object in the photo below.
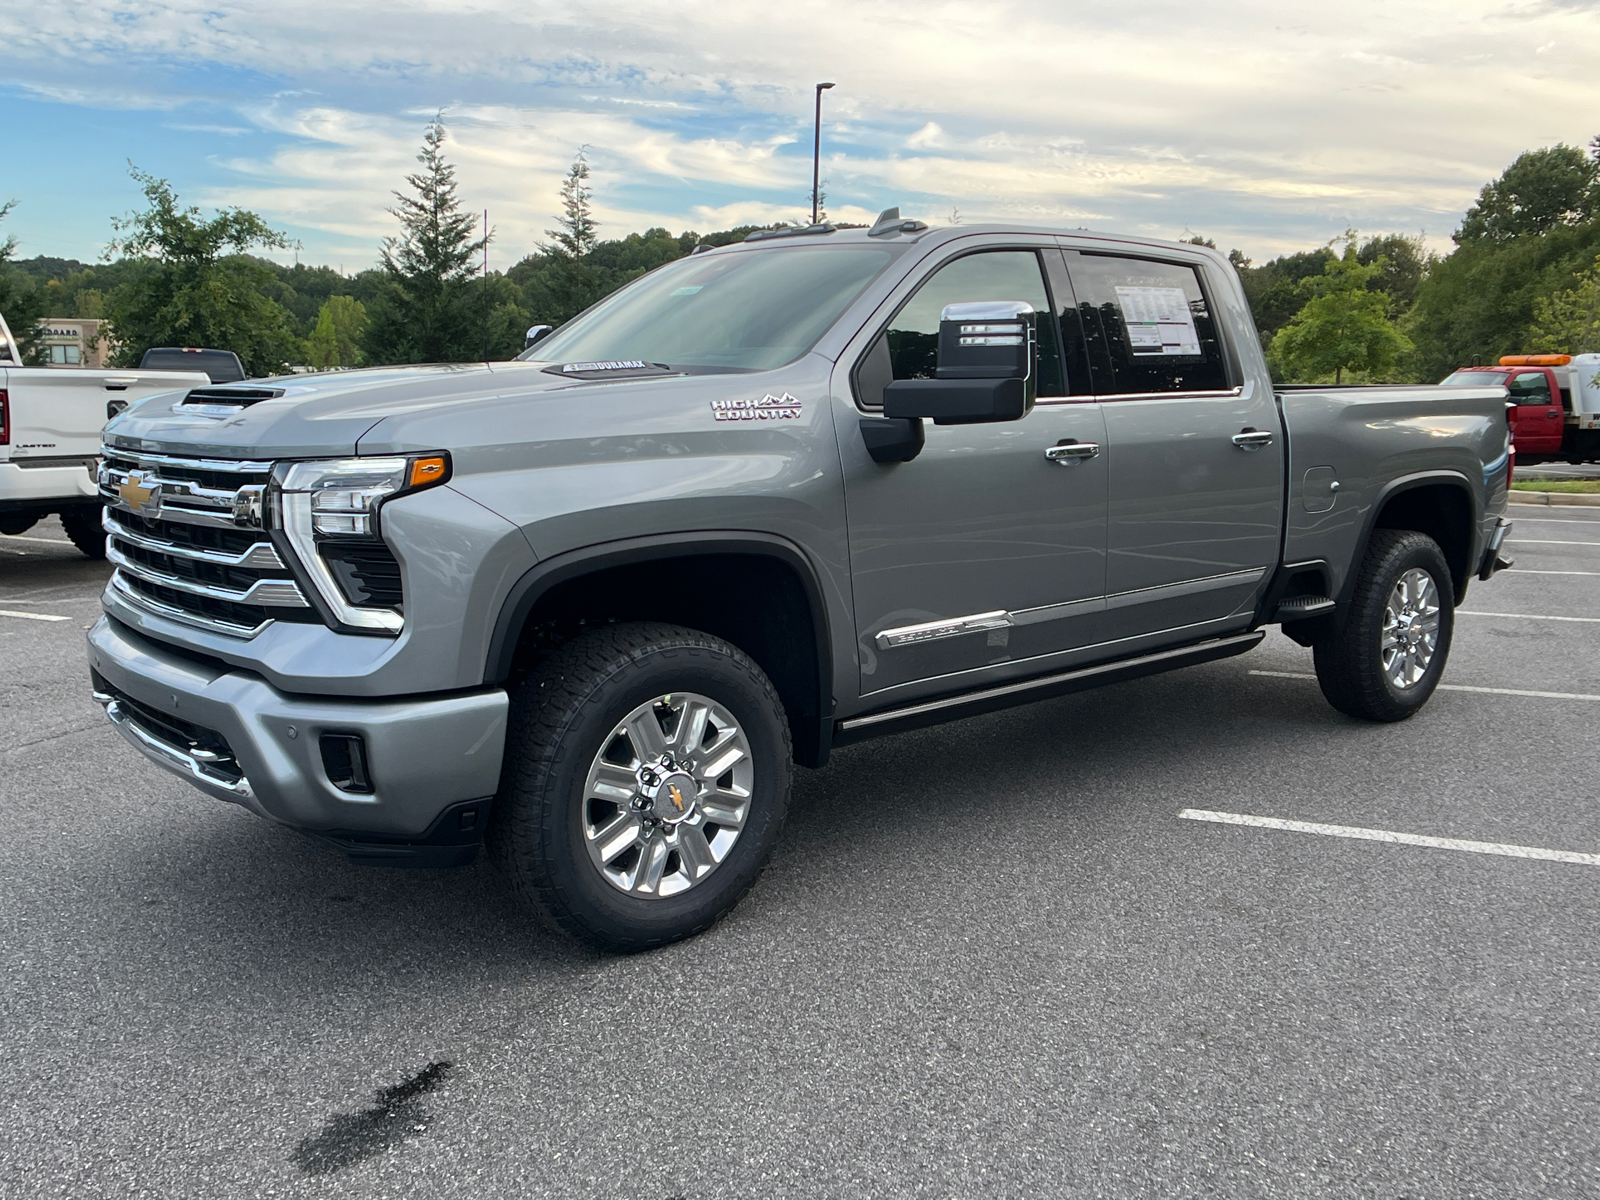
pixel 816 155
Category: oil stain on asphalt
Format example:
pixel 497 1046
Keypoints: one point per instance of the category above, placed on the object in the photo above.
pixel 349 1138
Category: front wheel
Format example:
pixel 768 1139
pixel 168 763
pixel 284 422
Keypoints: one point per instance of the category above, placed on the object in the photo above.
pixel 1388 658
pixel 646 779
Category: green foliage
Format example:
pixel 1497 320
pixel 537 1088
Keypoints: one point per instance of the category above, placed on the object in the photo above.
pixel 1541 191
pixel 1479 302
pixel 576 237
pixel 1276 289
pixel 195 284
pixel 426 308
pixel 1344 326
pixel 335 341
pixel 23 302
pixel 1568 322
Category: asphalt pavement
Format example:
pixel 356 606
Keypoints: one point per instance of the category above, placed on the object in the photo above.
pixel 989 959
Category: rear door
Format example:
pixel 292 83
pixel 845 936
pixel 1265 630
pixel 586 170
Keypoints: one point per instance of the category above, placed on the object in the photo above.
pixel 1195 507
pixel 1537 423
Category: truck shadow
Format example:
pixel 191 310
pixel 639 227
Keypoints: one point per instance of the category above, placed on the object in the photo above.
pixel 267 904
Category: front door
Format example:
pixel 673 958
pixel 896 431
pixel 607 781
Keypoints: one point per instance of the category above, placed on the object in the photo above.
pixel 1196 475
pixel 980 552
pixel 1537 423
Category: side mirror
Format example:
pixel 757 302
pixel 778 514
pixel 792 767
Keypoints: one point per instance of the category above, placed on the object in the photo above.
pixel 985 369
pixel 536 334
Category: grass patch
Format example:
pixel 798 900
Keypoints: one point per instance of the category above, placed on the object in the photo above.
pixel 1582 486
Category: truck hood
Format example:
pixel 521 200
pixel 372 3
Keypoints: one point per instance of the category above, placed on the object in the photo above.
pixel 322 415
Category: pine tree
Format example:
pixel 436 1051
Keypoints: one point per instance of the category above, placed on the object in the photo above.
pixel 428 311
pixel 576 237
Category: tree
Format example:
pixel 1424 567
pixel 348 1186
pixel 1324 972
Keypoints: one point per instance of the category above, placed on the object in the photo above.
pixel 1569 321
pixel 197 286
pixel 427 310
pixel 23 303
pixel 336 339
pixel 1540 191
pixel 1344 326
pixel 576 237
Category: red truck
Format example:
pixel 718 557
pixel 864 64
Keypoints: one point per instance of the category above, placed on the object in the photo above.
pixel 1557 403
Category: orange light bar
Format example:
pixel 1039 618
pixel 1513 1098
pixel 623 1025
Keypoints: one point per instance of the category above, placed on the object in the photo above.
pixel 1535 360
pixel 427 470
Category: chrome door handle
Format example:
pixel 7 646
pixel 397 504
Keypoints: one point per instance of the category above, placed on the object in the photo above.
pixel 1252 439
pixel 1069 453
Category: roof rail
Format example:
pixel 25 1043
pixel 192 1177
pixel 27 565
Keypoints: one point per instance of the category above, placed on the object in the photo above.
pixel 789 231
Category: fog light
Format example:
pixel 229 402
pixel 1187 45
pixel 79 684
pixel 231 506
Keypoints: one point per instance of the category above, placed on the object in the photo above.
pixel 344 758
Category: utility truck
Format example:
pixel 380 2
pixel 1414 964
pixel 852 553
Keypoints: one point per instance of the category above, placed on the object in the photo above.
pixel 1556 403
pixel 594 606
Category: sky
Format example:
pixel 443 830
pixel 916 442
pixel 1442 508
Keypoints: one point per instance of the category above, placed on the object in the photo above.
pixel 1267 125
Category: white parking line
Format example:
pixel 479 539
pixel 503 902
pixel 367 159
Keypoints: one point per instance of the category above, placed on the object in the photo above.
pixel 1462 612
pixel 1386 835
pixel 1453 687
pixel 17 537
pixel 1535 542
pixel 1521 520
pixel 7 612
pixel 1521 571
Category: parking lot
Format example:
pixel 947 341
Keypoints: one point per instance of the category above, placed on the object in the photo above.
pixel 989 959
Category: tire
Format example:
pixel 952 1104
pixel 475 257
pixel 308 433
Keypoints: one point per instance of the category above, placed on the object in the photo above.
pixel 83 527
pixel 566 742
pixel 1351 667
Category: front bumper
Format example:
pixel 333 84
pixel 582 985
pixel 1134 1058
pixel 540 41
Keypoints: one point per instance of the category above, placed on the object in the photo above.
pixel 425 755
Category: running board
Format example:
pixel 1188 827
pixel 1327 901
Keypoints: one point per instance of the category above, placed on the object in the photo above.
pixel 970 704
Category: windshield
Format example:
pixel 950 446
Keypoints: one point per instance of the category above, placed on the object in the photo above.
pixel 1475 379
pixel 744 311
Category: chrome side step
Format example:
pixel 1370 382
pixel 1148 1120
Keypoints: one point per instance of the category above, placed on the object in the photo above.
pixel 968 704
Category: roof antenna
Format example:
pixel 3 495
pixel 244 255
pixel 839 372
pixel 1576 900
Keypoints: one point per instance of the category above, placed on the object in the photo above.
pixel 889 221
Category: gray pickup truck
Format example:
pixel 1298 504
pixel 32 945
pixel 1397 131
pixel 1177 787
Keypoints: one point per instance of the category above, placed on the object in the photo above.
pixel 590 607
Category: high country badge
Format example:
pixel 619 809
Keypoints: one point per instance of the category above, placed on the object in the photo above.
pixel 768 408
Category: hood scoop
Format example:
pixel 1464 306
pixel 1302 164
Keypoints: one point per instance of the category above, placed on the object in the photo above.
pixel 227 400
pixel 627 368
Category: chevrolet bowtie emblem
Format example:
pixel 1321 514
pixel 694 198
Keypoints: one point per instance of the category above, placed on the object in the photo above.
pixel 136 495
pixel 677 796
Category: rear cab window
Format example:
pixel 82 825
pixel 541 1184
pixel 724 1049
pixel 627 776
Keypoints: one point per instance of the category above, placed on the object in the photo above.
pixel 1148 325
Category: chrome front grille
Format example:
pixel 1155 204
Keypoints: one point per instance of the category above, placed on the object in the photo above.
pixel 185 536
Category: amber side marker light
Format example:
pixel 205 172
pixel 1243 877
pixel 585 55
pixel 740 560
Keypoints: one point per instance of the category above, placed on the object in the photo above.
pixel 1535 360
pixel 427 470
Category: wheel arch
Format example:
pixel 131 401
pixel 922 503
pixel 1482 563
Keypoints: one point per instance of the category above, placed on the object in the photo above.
pixel 775 613
pixel 1438 503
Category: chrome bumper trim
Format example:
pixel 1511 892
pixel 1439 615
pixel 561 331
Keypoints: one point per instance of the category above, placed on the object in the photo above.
pixel 167 754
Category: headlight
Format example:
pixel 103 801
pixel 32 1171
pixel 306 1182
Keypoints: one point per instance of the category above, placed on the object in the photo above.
pixel 328 511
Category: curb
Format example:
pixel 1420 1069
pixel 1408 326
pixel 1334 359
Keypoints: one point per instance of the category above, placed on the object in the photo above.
pixel 1578 498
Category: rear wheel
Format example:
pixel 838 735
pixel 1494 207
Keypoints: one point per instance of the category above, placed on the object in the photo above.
pixel 83 527
pixel 1387 660
pixel 646 779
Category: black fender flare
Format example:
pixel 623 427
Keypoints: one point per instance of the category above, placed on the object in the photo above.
pixel 525 593
pixel 1393 488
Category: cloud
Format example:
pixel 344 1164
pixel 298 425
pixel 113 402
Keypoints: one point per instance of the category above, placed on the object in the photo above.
pixel 1269 123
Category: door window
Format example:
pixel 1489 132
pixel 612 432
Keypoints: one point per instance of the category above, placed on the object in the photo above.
pixel 1148 326
pixel 1530 387
pixel 908 348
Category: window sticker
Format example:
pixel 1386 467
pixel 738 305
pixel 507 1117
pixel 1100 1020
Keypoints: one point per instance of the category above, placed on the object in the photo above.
pixel 1158 321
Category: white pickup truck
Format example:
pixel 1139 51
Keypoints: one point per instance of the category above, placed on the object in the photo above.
pixel 50 421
